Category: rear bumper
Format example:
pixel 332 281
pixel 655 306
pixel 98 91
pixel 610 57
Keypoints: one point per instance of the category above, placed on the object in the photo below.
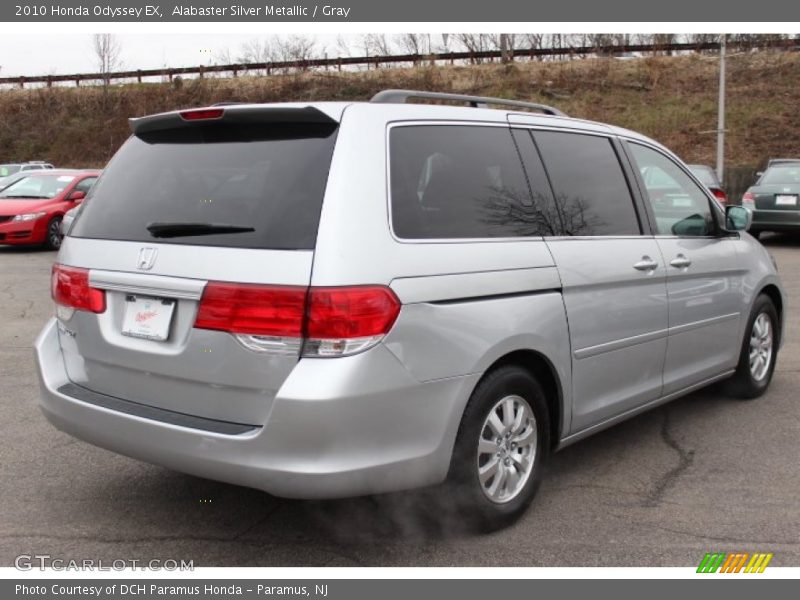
pixel 776 220
pixel 338 427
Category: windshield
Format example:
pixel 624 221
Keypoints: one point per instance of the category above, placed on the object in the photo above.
pixel 37 187
pixel 254 186
pixel 782 174
pixel 705 175
pixel 6 170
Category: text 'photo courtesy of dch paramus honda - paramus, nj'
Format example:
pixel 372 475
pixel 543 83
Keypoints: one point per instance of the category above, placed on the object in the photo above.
pixel 325 299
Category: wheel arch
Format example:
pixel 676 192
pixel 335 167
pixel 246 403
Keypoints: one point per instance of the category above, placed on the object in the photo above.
pixel 538 365
pixel 773 293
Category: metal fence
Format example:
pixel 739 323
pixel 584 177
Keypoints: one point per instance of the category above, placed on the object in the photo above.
pixel 465 57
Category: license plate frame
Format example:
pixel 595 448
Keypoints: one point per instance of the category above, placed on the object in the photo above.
pixel 147 317
pixel 786 200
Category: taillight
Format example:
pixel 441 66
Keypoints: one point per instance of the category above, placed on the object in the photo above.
pixel 748 200
pixel 720 195
pixel 346 320
pixel 283 319
pixel 203 114
pixel 253 309
pixel 70 289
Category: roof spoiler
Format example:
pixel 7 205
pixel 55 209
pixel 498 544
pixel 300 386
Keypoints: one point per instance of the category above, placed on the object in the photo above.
pixel 248 114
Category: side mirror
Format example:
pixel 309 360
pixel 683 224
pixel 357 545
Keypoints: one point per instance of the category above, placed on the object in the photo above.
pixel 737 218
pixel 76 195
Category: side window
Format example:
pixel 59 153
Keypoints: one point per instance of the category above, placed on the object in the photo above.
pixel 85 185
pixel 679 204
pixel 459 181
pixel 591 192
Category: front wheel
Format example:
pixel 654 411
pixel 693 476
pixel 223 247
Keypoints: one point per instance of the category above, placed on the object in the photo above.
pixel 501 444
pixel 52 240
pixel 758 353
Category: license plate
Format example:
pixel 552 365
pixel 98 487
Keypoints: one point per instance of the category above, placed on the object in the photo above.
pixel 784 200
pixel 682 202
pixel 147 317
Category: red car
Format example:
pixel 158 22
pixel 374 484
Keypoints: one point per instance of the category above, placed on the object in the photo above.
pixel 31 209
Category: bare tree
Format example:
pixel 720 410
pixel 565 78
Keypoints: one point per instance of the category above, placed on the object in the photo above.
pixel 415 43
pixel 107 52
pixel 377 44
pixel 294 48
pixel 473 43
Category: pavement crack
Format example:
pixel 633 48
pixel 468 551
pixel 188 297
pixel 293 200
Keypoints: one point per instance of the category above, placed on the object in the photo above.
pixel 668 479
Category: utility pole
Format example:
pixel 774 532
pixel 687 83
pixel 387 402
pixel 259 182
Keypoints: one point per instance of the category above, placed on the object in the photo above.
pixel 721 111
pixel 505 53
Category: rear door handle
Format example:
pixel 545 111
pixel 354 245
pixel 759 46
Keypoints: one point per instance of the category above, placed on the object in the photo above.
pixel 646 264
pixel 680 262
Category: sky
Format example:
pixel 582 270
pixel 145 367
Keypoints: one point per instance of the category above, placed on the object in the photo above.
pixel 53 53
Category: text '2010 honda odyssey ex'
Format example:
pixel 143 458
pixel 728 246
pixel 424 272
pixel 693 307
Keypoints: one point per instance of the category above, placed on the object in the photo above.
pixel 325 300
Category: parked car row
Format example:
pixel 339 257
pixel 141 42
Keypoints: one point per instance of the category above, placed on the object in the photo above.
pixel 33 203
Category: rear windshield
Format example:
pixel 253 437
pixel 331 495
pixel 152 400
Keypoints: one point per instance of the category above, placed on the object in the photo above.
pixel 782 174
pixel 254 186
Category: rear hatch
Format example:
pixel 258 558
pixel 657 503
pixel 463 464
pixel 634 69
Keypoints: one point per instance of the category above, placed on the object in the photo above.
pixel 777 197
pixel 194 203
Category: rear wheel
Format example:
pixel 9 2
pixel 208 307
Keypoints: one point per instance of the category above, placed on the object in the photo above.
pixel 758 353
pixel 53 239
pixel 501 444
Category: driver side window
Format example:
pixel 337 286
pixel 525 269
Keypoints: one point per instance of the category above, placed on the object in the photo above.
pixel 681 207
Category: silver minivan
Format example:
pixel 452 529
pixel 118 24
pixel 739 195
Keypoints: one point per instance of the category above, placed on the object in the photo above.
pixel 325 300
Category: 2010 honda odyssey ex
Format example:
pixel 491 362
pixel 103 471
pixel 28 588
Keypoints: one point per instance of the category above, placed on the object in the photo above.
pixel 334 299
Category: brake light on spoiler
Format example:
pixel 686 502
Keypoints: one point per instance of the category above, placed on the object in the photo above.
pixel 317 321
pixel 202 114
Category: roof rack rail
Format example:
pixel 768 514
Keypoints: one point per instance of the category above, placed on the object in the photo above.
pixel 402 96
pixel 230 103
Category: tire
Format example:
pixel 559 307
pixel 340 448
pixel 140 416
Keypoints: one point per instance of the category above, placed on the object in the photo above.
pixel 514 396
pixel 762 336
pixel 52 240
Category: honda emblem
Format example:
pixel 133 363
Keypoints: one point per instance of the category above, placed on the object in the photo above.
pixel 147 258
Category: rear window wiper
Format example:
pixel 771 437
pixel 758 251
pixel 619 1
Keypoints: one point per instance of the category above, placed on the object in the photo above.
pixel 168 230
pixel 24 197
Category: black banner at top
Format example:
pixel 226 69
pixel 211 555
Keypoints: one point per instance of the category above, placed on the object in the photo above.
pixel 443 11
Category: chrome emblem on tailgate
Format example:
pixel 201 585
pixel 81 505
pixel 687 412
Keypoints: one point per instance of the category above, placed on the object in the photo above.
pixel 147 258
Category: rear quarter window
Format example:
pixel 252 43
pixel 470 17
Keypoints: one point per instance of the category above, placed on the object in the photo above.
pixel 459 181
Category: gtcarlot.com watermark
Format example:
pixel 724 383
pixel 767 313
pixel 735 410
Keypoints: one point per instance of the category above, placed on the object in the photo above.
pixel 42 562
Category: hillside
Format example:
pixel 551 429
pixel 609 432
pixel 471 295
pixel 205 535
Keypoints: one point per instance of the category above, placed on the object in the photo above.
pixel 672 99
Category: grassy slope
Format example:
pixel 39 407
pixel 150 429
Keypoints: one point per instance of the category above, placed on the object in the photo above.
pixel 672 99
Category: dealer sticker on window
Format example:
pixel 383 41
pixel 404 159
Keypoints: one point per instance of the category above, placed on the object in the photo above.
pixel 147 317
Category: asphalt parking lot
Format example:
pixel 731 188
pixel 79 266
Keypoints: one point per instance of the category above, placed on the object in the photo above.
pixel 704 473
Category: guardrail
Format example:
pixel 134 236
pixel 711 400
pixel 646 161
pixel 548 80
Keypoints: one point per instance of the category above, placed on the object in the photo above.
pixel 377 61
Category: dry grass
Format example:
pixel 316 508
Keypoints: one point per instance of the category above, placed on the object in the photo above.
pixel 672 99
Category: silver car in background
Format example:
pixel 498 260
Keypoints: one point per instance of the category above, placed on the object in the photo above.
pixel 325 300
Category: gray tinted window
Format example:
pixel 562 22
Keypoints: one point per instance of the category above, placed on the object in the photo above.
pixel 459 182
pixel 590 188
pixel 270 178
pixel 679 205
pixel 85 184
pixel 788 174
